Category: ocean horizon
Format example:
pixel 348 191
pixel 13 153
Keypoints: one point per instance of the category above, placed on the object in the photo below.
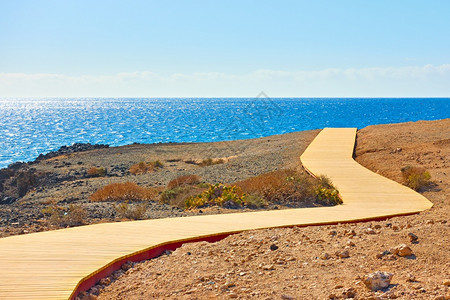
pixel 31 126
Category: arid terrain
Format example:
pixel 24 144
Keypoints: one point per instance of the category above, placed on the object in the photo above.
pixel 287 263
pixel 292 263
pixel 62 179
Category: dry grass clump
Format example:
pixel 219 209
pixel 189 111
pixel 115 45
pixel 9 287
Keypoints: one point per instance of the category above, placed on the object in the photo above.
pixel 130 211
pixel 210 162
pixel 416 177
pixel 183 180
pixel 57 215
pixel 177 196
pixel 96 172
pixel 289 187
pixel 181 188
pixel 123 191
pixel 145 167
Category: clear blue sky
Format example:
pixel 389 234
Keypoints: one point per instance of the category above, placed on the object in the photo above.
pixel 224 48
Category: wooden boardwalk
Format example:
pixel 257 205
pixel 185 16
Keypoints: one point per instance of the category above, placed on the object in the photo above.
pixel 57 264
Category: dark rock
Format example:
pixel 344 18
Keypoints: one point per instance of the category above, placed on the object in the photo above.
pixel 8 200
pixel 412 237
pixel 273 247
pixel 77 147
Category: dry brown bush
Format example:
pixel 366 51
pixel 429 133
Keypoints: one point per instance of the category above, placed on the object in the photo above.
pixel 58 215
pixel 145 167
pixel 178 195
pixel 130 211
pixel 94 172
pixel 124 191
pixel 183 180
pixel 282 186
pixel 289 187
pixel 210 162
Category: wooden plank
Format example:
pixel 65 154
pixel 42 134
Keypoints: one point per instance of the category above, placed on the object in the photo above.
pixel 51 265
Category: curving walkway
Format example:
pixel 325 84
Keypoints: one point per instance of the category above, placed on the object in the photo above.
pixel 58 264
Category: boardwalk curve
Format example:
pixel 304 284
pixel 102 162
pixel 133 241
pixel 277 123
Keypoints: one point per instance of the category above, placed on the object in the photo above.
pixel 58 264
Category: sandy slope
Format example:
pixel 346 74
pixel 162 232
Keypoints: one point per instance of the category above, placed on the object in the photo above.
pixel 291 263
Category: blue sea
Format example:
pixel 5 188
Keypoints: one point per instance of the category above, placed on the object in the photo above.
pixel 29 127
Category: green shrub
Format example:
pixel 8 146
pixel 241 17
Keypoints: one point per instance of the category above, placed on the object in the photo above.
pixel 254 201
pixel 218 194
pixel 416 177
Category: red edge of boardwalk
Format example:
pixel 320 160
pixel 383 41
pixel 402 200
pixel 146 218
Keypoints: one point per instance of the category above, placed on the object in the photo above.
pixel 92 279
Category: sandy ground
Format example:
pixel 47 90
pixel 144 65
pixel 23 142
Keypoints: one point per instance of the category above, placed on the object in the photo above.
pixel 304 263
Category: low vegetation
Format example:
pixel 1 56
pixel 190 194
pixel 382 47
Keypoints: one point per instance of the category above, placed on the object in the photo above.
pixel 96 172
pixel 74 215
pixel 130 211
pixel 218 194
pixel 291 188
pixel 124 191
pixel 285 187
pixel 145 167
pixel 210 162
pixel 183 181
pixel 181 188
pixel 416 177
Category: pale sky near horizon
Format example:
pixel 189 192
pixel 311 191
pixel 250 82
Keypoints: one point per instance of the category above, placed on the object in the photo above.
pixel 224 48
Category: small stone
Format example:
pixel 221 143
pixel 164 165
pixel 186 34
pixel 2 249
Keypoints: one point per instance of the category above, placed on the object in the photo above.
pixel 273 247
pixel 332 296
pixel 332 232
pixel 349 293
pixel 410 278
pixel 395 227
pixel 351 244
pixel 92 297
pixel 402 250
pixel 105 281
pixel 343 254
pixel 268 267
pixel 378 280
pixel 412 237
pixel 287 297
pixel 325 256
pixel 446 282
pixel 350 233
pixel 370 231
pixel 378 226
pixel 229 283
pixel 233 295
pixel 191 291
